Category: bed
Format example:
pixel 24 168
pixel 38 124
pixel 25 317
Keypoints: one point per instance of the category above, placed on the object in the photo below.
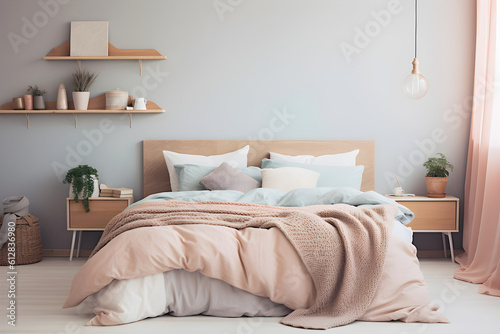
pixel 319 256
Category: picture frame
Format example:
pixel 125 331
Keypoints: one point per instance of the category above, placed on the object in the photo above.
pixel 89 38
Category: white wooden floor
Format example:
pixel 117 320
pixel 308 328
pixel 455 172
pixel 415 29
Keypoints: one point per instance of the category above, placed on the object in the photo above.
pixel 43 287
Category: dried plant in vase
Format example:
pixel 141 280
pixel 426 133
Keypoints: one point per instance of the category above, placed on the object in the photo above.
pixel 38 102
pixel 82 80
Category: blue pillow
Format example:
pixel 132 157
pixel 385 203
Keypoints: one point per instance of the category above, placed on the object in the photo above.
pixel 190 175
pixel 330 176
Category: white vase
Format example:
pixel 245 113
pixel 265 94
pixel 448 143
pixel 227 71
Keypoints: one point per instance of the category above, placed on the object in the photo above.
pixel 62 98
pixel 81 100
pixel 95 193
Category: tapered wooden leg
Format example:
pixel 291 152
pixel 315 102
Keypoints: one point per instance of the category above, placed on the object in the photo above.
pixel 444 245
pixel 79 243
pixel 450 239
pixel 72 246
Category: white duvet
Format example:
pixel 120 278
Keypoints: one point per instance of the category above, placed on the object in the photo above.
pixel 178 293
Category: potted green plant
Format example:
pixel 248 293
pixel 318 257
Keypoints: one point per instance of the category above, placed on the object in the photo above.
pixel 38 102
pixel 82 80
pixel 437 175
pixel 84 184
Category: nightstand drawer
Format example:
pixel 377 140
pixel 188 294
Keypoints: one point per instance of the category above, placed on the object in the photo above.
pixel 430 216
pixel 101 212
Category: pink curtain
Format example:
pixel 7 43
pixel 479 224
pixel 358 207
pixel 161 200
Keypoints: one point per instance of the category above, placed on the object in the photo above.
pixel 481 261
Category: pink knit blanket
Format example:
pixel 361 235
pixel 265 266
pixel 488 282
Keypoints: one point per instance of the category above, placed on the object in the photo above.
pixel 343 247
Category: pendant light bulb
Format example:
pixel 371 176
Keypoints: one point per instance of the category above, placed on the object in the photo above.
pixel 415 85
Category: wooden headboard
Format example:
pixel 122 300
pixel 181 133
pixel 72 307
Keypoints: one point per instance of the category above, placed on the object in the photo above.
pixel 155 174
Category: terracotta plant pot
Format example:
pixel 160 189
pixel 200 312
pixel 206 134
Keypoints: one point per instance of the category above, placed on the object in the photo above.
pixel 28 102
pixel 436 186
pixel 81 100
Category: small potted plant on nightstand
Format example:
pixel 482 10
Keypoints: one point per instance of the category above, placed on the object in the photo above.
pixel 84 184
pixel 437 175
pixel 82 80
pixel 38 102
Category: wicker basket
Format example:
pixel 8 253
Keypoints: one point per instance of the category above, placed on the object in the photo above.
pixel 28 241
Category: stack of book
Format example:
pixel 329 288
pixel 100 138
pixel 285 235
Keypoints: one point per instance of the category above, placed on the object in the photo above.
pixel 116 192
pixel 122 192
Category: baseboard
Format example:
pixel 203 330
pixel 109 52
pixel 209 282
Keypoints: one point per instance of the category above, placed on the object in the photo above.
pixel 424 253
pixel 64 252
pixel 435 253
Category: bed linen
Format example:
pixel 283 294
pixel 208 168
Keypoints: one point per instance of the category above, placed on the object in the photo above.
pixel 339 159
pixel 190 175
pixel 294 198
pixel 289 178
pixel 402 295
pixel 103 268
pixel 298 197
pixel 178 293
pixel 330 176
pixel 236 158
pixel 342 247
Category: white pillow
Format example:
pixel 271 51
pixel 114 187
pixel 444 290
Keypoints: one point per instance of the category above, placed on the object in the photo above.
pixel 237 159
pixel 289 178
pixel 341 159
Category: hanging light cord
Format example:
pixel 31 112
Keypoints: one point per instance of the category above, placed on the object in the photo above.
pixel 416 1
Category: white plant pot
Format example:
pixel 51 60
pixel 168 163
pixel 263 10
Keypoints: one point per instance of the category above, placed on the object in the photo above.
pixel 80 195
pixel 81 100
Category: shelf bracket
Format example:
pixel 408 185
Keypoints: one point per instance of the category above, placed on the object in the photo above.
pixel 27 121
pixel 79 65
pixel 76 120
pixel 130 117
pixel 140 67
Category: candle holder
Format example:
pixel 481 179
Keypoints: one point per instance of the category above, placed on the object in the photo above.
pixel 18 103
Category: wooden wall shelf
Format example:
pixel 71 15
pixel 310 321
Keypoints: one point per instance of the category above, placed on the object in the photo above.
pixel 97 105
pixel 62 53
pixel 93 111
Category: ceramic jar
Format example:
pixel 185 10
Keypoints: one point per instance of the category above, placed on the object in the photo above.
pixel 28 102
pixel 116 100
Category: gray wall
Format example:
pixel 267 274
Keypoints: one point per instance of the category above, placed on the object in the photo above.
pixel 228 72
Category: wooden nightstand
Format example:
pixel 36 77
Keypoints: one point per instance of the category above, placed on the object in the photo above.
pixel 102 209
pixel 433 215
